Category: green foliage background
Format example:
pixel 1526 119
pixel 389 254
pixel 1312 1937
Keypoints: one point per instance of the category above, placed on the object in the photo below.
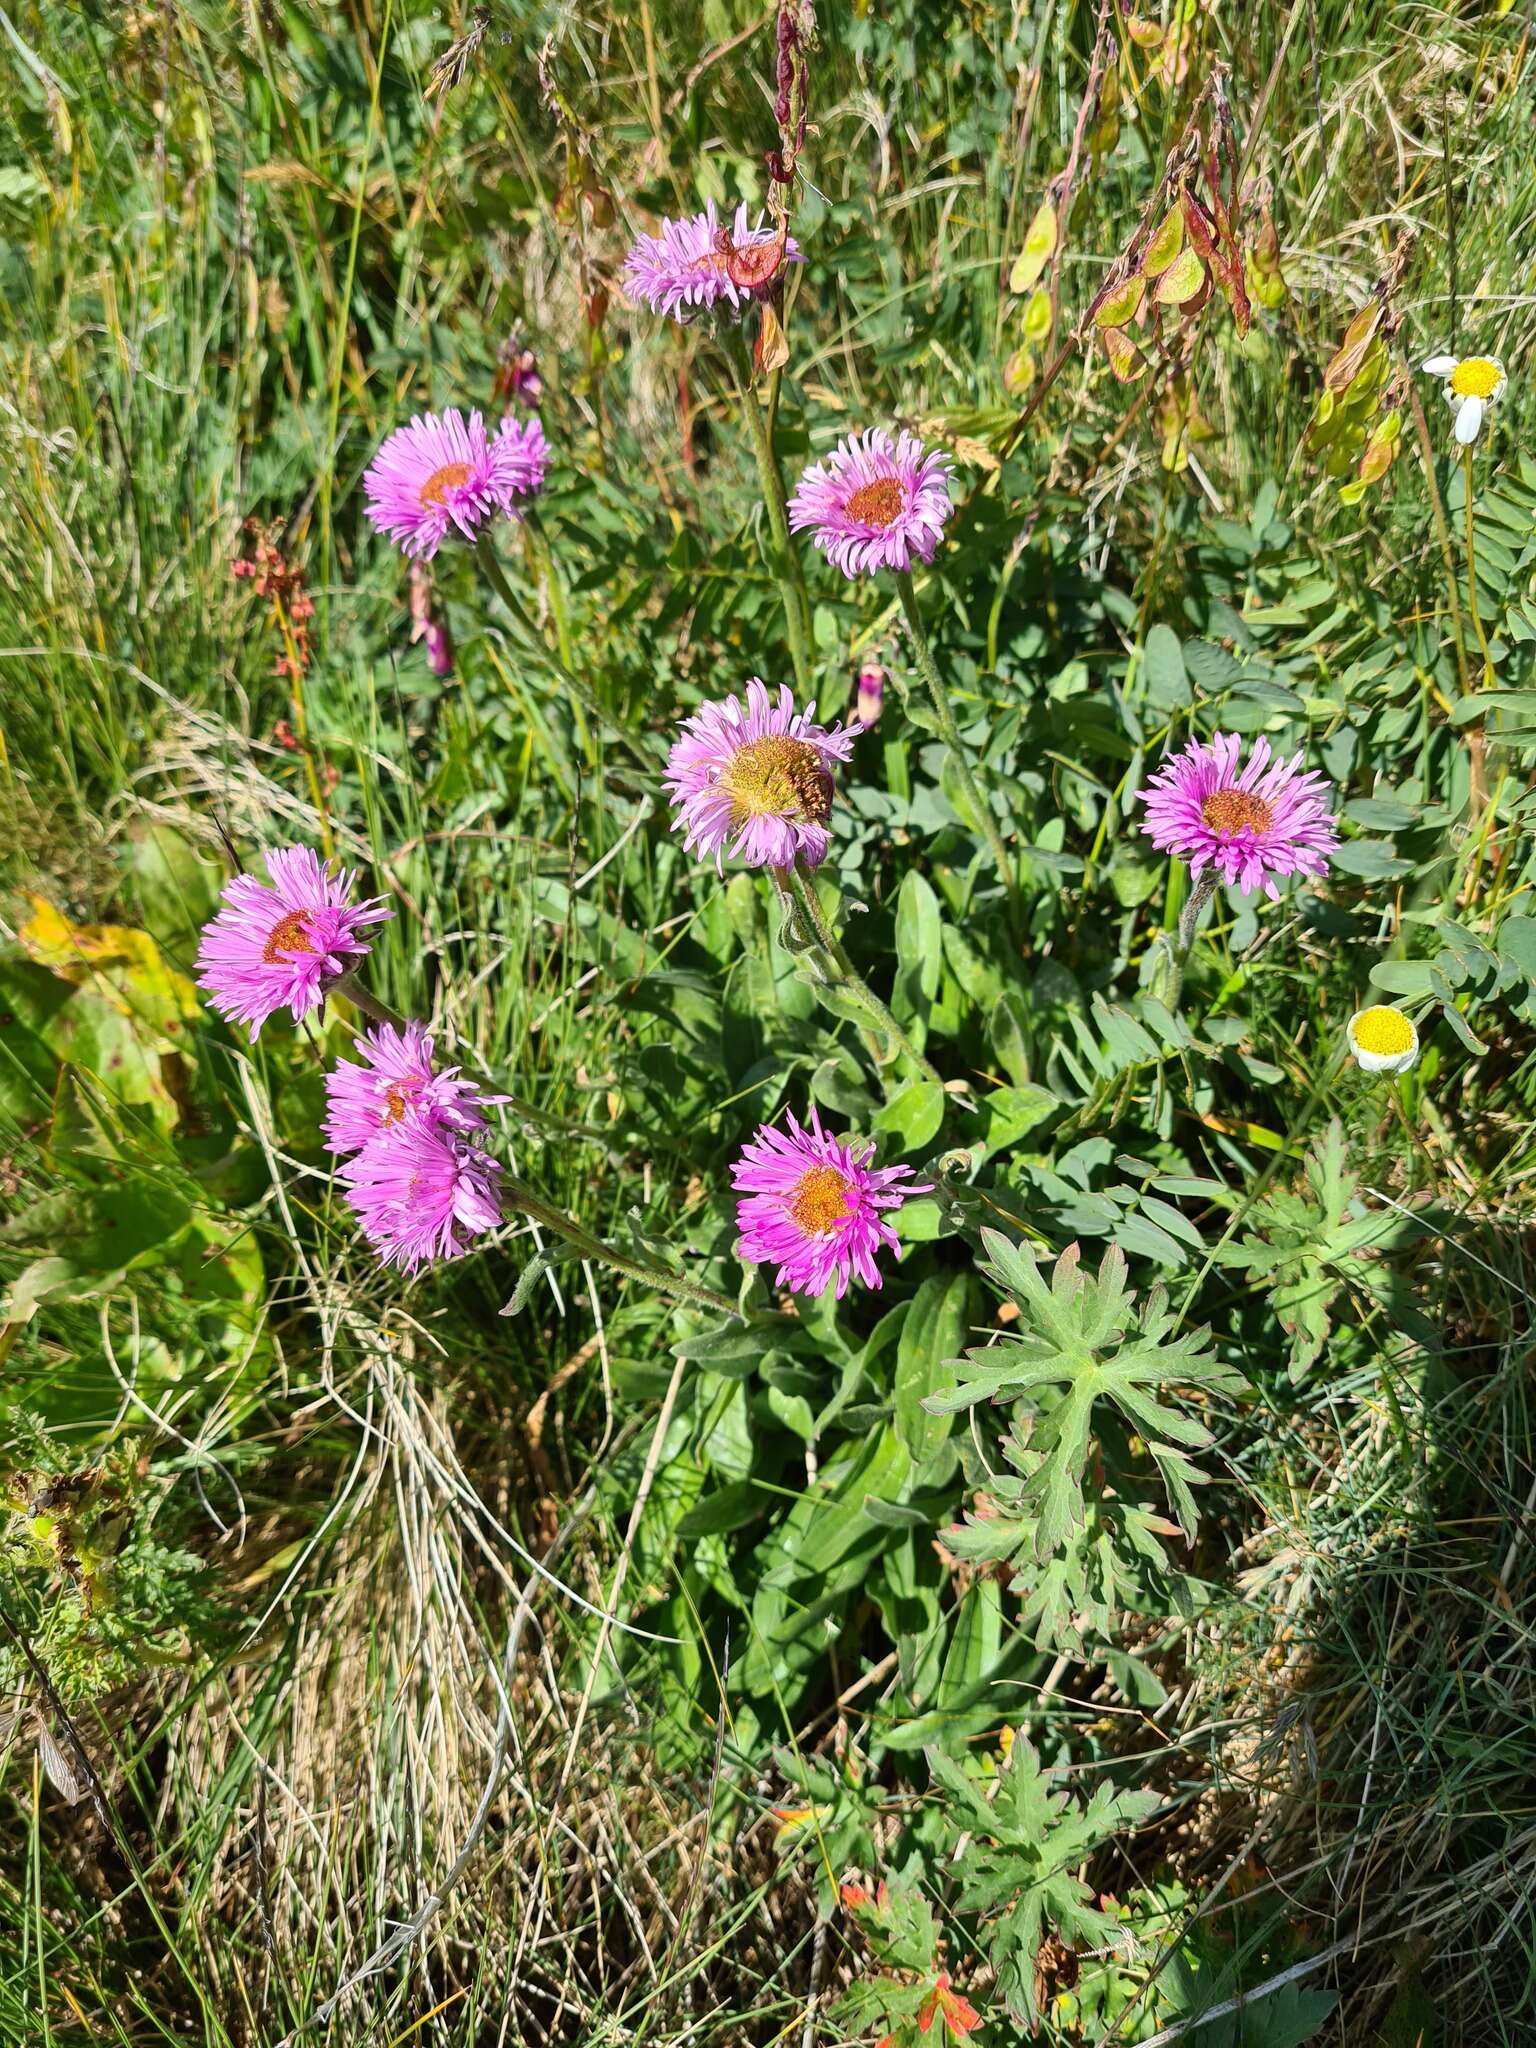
pixel 1139 1587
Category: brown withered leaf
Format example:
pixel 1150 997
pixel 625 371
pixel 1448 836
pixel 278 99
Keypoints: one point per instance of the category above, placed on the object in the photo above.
pixel 771 351
pixel 1341 372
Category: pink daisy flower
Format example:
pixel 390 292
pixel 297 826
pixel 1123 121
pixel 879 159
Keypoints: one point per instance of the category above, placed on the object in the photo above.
pixel 523 453
pixel 441 472
pixel 697 263
pixel 281 948
pixel 422 1193
pixel 878 501
pixel 756 780
pixel 1248 824
pixel 815 1207
pixel 397 1084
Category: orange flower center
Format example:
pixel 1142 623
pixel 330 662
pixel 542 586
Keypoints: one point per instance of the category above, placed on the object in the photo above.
pixel 289 936
pixel 877 504
pixel 778 776
pixel 396 1103
pixel 451 477
pixel 819 1201
pixel 1477 377
pixel 1233 810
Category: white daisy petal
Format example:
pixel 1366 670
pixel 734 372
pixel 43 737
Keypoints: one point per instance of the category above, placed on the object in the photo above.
pixel 1469 418
pixel 1438 366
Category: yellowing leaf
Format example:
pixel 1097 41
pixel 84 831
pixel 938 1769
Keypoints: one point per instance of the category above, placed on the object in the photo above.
pixel 1019 371
pixel 1038 318
pixel 1039 247
pixel 1123 303
pixel 1125 358
pixel 1183 278
pixel 121 965
pixel 1167 240
pixel 1377 459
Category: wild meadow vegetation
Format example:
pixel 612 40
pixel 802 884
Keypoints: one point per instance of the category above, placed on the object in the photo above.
pixel 1118 1625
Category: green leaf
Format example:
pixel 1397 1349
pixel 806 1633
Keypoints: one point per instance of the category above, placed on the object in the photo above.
pixel 1402 977
pixel 1079 1342
pixel 912 1116
pixel 1517 945
pixel 1020 1872
pixel 919 949
pixel 934 1331
pixel 1163 666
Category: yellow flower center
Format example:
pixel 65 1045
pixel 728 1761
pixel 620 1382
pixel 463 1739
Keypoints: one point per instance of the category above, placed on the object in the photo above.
pixel 291 935
pixel 396 1103
pixel 451 477
pixel 1383 1030
pixel 1229 810
pixel 1477 377
pixel 819 1201
pixel 877 504
pixel 780 777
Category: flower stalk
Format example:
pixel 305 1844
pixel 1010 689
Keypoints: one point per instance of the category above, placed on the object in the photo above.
pixel 1168 982
pixel 799 891
pixel 1477 624
pixel 784 561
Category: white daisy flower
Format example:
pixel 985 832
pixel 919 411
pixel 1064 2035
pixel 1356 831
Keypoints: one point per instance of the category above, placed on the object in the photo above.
pixel 1383 1040
pixel 1472 383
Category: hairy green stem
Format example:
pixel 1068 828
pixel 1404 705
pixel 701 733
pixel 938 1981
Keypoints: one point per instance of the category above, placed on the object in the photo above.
pixel 980 806
pixel 848 978
pixel 785 562
pixel 535 1208
pixel 1169 986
